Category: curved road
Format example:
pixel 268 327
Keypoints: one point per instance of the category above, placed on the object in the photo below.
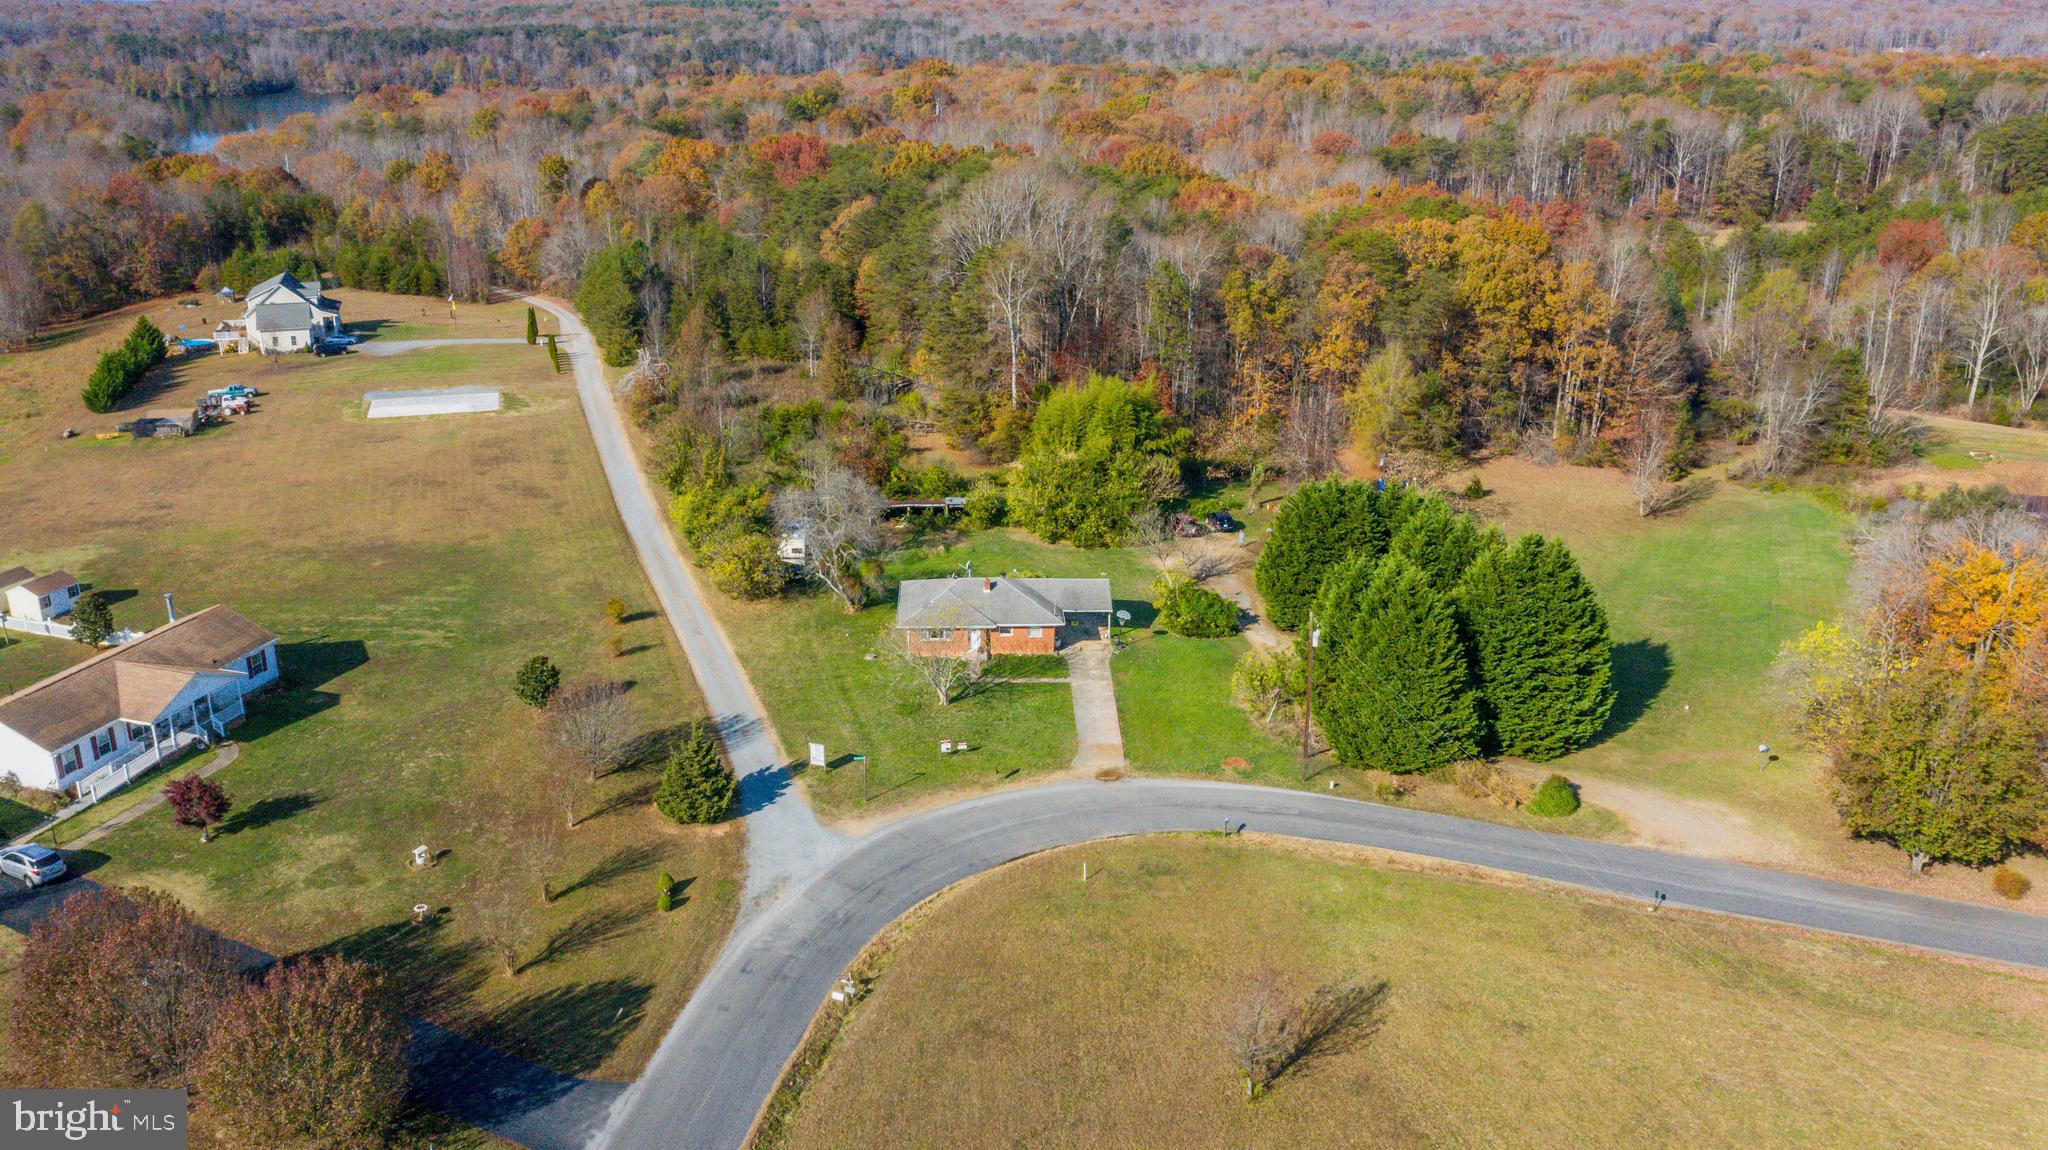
pixel 815 898
pixel 726 1052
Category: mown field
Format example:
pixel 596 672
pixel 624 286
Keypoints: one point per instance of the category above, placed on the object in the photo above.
pixel 1027 1008
pixel 408 567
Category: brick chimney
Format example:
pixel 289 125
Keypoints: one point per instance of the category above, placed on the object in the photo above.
pixel 986 585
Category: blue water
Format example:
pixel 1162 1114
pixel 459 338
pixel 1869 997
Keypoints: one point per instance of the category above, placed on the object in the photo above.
pixel 198 125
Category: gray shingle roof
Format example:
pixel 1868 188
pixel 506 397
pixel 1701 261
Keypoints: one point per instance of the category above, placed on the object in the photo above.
pixel 130 681
pixel 941 604
pixel 280 317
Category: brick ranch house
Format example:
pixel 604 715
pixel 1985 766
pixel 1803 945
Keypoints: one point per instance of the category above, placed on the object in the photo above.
pixel 977 618
pixel 90 728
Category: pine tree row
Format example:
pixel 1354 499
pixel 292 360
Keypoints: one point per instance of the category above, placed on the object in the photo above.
pixel 1440 640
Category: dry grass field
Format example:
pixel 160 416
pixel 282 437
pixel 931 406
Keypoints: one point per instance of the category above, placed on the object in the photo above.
pixel 1028 1009
pixel 408 567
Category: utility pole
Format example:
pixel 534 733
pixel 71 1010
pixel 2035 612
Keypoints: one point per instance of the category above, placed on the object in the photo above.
pixel 1315 638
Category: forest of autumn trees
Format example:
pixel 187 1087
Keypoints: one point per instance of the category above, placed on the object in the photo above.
pixel 1611 260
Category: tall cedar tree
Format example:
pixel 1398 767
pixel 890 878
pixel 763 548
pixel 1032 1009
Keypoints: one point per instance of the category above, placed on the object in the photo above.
pixel 532 327
pixel 1542 646
pixel 314 1056
pixel 119 988
pixel 1442 542
pixel 1941 771
pixel 1397 692
pixel 1319 526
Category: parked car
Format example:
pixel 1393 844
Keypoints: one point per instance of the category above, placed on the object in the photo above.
pixel 1186 526
pixel 33 865
pixel 1221 521
pixel 329 347
pixel 345 339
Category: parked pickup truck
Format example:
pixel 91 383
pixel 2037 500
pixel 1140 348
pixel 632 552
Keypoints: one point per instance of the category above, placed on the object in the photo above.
pixel 234 391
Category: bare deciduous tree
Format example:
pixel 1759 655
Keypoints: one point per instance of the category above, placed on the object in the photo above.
pixel 1648 455
pixel 587 724
pixel 839 515
pixel 946 676
pixel 813 328
pixel 1272 1027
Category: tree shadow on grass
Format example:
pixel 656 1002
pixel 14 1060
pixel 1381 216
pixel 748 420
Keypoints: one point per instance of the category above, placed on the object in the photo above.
pixel 274 809
pixel 1642 669
pixel 652 748
pixel 570 1029
pixel 433 973
pixel 303 669
pixel 592 928
pixel 621 862
pixel 1335 1020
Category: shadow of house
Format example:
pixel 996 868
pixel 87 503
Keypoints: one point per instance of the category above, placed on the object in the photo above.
pixel 304 669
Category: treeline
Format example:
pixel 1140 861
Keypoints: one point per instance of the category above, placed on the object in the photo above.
pixel 1637 261
pixel 190 49
pixel 120 368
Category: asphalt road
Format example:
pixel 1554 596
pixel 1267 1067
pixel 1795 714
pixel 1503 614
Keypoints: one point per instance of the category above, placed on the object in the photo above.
pixel 726 1052
pixel 786 845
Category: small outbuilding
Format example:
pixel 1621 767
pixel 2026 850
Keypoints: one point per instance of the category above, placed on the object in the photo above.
pixel 169 423
pixel 430 401
pixel 40 599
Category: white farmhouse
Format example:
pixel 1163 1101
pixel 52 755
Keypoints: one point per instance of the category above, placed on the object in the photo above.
pixel 90 728
pixel 41 599
pixel 281 314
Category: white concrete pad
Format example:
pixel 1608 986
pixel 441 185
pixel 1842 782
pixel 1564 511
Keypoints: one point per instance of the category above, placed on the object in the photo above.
pixel 430 401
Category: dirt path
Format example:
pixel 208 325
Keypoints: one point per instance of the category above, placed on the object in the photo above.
pixel 1689 826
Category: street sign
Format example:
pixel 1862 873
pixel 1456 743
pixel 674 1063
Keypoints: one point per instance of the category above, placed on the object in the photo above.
pixel 817 754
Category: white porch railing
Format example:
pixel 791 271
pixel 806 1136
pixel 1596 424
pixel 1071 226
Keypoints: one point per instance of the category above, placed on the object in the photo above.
pixel 140 759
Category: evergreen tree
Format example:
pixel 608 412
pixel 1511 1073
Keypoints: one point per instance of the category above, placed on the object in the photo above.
pixel 532 327
pixel 696 785
pixel 91 620
pixel 1319 526
pixel 537 681
pixel 1543 653
pixel 1397 693
pixel 609 299
pixel 1170 303
pixel 1441 540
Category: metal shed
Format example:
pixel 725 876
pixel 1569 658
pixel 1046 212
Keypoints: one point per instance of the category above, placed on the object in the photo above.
pixel 430 401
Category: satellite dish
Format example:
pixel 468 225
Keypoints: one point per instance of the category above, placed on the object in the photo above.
pixel 1123 616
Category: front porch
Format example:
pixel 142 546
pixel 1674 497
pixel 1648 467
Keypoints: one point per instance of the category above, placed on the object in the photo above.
pixel 199 723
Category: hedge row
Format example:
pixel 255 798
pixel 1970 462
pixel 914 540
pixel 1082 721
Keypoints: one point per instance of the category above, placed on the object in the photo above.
pixel 121 368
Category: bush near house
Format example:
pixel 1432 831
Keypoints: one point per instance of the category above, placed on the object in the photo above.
pixel 1196 612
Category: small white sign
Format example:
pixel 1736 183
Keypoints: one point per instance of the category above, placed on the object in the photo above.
pixel 817 754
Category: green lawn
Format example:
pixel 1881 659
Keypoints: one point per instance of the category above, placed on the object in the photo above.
pixel 809 661
pixel 1700 602
pixel 1173 699
pixel 408 567
pixel 1045 1011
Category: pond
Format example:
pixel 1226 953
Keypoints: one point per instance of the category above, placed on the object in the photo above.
pixel 198 124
